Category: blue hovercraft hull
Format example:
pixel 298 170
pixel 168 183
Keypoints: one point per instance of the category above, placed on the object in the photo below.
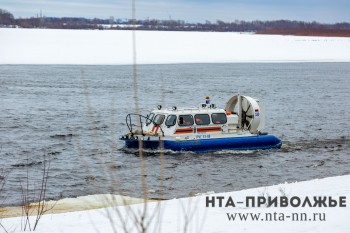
pixel 257 142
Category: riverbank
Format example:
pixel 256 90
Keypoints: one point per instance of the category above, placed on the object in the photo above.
pixel 327 209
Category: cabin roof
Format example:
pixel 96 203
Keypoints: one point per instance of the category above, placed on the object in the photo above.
pixel 194 110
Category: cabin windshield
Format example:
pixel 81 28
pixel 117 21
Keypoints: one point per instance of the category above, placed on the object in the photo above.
pixel 202 119
pixel 158 119
pixel 185 120
pixel 170 120
pixel 219 118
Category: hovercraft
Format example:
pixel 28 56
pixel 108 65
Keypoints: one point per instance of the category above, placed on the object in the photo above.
pixel 206 128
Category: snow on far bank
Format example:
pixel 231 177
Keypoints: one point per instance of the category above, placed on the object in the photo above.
pixel 192 215
pixel 50 46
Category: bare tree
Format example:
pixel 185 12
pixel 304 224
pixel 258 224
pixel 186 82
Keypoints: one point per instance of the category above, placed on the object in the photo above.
pixel 33 200
pixel 3 178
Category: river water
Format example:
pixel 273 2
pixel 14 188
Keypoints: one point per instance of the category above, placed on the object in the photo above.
pixel 72 116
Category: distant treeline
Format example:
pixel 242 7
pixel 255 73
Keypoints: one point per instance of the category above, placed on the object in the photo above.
pixel 281 27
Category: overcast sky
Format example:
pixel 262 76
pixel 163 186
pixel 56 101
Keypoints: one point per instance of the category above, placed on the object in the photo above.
pixel 325 11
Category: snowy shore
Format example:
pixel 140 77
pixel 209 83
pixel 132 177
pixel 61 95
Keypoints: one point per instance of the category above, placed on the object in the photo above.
pixel 192 215
pixel 93 47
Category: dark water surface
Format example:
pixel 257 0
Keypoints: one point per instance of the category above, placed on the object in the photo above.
pixel 75 114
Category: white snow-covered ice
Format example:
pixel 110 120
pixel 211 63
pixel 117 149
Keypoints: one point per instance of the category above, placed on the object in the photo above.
pixel 192 215
pixel 93 47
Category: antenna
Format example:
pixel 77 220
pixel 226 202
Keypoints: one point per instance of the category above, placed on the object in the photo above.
pixel 134 73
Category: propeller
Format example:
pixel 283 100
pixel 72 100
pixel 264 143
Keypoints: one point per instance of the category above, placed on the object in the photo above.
pixel 245 116
pixel 250 115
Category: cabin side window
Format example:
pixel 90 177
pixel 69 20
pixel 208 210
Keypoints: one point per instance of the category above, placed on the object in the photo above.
pixel 185 120
pixel 202 119
pixel 170 120
pixel 219 118
pixel 158 119
pixel 149 118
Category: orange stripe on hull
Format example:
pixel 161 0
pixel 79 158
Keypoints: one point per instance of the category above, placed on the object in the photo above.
pixel 184 130
pixel 209 129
